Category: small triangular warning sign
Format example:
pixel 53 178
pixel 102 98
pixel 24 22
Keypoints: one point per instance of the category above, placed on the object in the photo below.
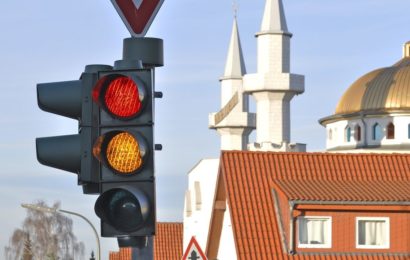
pixel 194 251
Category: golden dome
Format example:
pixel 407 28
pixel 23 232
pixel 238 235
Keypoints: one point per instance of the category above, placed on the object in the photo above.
pixel 386 89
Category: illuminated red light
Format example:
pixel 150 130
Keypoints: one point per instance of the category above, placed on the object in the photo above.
pixel 120 95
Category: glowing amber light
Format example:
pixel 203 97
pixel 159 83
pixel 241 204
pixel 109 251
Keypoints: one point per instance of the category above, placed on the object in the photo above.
pixel 123 153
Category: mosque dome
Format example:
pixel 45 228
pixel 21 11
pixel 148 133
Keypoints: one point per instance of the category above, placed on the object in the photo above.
pixel 373 114
pixel 382 90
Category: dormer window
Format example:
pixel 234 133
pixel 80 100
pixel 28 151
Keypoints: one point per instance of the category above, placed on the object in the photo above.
pixel 315 232
pixel 372 233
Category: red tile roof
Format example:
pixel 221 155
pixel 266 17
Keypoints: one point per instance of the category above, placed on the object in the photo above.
pixel 167 243
pixel 345 190
pixel 123 254
pixel 248 178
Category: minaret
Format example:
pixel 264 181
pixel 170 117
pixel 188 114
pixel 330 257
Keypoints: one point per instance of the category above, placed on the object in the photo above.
pixel 233 122
pixel 273 86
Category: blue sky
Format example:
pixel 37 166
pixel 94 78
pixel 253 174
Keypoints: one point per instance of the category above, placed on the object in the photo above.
pixel 334 43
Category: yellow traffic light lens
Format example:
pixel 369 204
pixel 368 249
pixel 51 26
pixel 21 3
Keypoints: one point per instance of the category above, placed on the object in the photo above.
pixel 123 153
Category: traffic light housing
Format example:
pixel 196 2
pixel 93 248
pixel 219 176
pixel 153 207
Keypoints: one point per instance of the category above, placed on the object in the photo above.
pixel 125 150
pixel 113 151
pixel 73 153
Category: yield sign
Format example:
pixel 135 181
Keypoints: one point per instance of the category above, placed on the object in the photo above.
pixel 194 251
pixel 137 14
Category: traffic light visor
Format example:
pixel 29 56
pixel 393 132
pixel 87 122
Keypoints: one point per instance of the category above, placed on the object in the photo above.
pixel 121 96
pixel 121 151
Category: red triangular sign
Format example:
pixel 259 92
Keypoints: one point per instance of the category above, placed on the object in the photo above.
pixel 137 15
pixel 194 251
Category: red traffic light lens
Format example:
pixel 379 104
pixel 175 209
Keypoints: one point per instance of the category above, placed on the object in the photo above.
pixel 121 96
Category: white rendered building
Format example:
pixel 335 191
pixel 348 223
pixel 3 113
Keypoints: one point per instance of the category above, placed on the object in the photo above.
pixel 198 201
pixel 373 115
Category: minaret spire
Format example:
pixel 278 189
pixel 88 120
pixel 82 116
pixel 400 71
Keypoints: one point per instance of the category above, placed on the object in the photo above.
pixel 233 122
pixel 235 65
pixel 274 19
pixel 273 86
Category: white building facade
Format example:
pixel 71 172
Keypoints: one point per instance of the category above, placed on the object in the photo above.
pixel 198 201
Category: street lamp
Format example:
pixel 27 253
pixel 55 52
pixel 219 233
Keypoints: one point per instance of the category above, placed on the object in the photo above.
pixel 56 210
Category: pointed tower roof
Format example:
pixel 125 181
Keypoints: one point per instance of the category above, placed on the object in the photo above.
pixel 235 66
pixel 274 19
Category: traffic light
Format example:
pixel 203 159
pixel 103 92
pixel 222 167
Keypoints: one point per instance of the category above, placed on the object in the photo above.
pixel 72 153
pixel 113 151
pixel 125 150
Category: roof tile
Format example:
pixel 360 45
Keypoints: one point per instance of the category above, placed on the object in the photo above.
pixel 345 190
pixel 250 177
pixel 167 243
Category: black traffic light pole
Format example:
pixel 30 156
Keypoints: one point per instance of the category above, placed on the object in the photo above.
pixel 145 250
pixel 148 52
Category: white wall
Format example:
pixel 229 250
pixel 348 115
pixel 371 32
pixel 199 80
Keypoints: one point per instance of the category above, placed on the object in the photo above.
pixel 196 222
pixel 227 249
pixel 337 137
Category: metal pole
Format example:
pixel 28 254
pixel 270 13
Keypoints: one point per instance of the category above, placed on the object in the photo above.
pixel 145 250
pixel 92 226
pixel 55 210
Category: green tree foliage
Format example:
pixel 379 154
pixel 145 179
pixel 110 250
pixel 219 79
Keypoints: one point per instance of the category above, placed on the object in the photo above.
pixel 44 236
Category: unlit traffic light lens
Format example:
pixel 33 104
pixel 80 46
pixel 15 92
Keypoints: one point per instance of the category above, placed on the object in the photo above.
pixel 126 208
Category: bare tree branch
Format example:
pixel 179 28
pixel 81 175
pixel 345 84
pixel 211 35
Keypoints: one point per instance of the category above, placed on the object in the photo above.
pixel 44 236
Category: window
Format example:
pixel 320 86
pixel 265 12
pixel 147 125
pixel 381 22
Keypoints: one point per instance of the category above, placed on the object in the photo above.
pixel 390 131
pixel 408 131
pixel 372 233
pixel 358 133
pixel 348 134
pixel 377 132
pixel 315 232
pixel 330 134
pixel 188 207
pixel 198 197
